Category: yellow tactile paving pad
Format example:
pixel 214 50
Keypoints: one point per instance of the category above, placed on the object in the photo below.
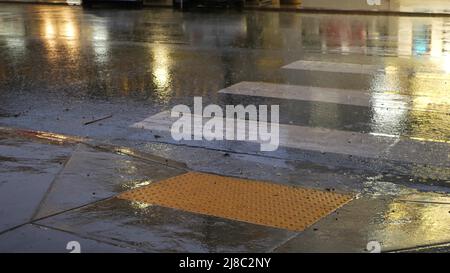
pixel 256 202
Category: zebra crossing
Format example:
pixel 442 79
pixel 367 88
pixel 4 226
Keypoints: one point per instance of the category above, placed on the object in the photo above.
pixel 298 92
pixel 328 140
pixel 335 67
pixel 302 137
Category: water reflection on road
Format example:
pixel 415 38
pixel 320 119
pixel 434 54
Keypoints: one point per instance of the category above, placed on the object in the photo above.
pixel 161 55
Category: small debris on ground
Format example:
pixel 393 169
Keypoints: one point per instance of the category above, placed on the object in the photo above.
pixel 96 120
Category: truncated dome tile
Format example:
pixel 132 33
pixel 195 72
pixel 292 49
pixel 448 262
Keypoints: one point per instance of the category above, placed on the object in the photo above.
pixel 257 202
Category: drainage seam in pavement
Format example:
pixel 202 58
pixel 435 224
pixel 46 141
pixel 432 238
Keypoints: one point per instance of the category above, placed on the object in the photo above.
pixel 443 244
pixel 32 221
pixel 423 202
pixel 50 187
pixel 84 236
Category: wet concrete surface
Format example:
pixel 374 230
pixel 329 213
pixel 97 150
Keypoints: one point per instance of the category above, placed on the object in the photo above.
pixel 27 172
pixel 157 229
pixel 91 175
pixel 42 178
pixel 61 67
pixel 396 225
pixel 33 238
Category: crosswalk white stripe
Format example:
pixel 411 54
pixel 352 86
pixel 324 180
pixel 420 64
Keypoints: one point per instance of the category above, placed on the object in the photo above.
pixel 335 67
pixel 293 136
pixel 299 92
pixel 391 147
pixel 375 100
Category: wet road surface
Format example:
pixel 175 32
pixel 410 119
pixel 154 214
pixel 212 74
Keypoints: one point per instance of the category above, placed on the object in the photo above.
pixel 364 107
pixel 63 66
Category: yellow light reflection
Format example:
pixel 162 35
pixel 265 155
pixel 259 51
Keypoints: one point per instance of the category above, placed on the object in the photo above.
pixel 161 76
pixel 446 64
pixel 139 205
pixel 436 37
pixel 160 71
pixel 49 28
pixel 68 25
pixel 429 120
pixel 135 184
pixel 422 113
pixel 407 223
pixel 57 30
pixel 69 30
pixel 49 32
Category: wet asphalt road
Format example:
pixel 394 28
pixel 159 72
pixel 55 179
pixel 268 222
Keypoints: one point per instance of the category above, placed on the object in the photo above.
pixel 62 66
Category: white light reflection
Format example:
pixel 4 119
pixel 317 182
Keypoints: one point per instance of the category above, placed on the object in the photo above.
pixel 13 33
pixel 99 42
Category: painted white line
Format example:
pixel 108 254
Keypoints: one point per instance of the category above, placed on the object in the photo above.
pixel 335 67
pixel 375 100
pixel 301 137
pixel 299 92
pixel 372 145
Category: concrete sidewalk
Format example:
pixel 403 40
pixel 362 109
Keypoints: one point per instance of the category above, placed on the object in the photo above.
pixel 55 189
